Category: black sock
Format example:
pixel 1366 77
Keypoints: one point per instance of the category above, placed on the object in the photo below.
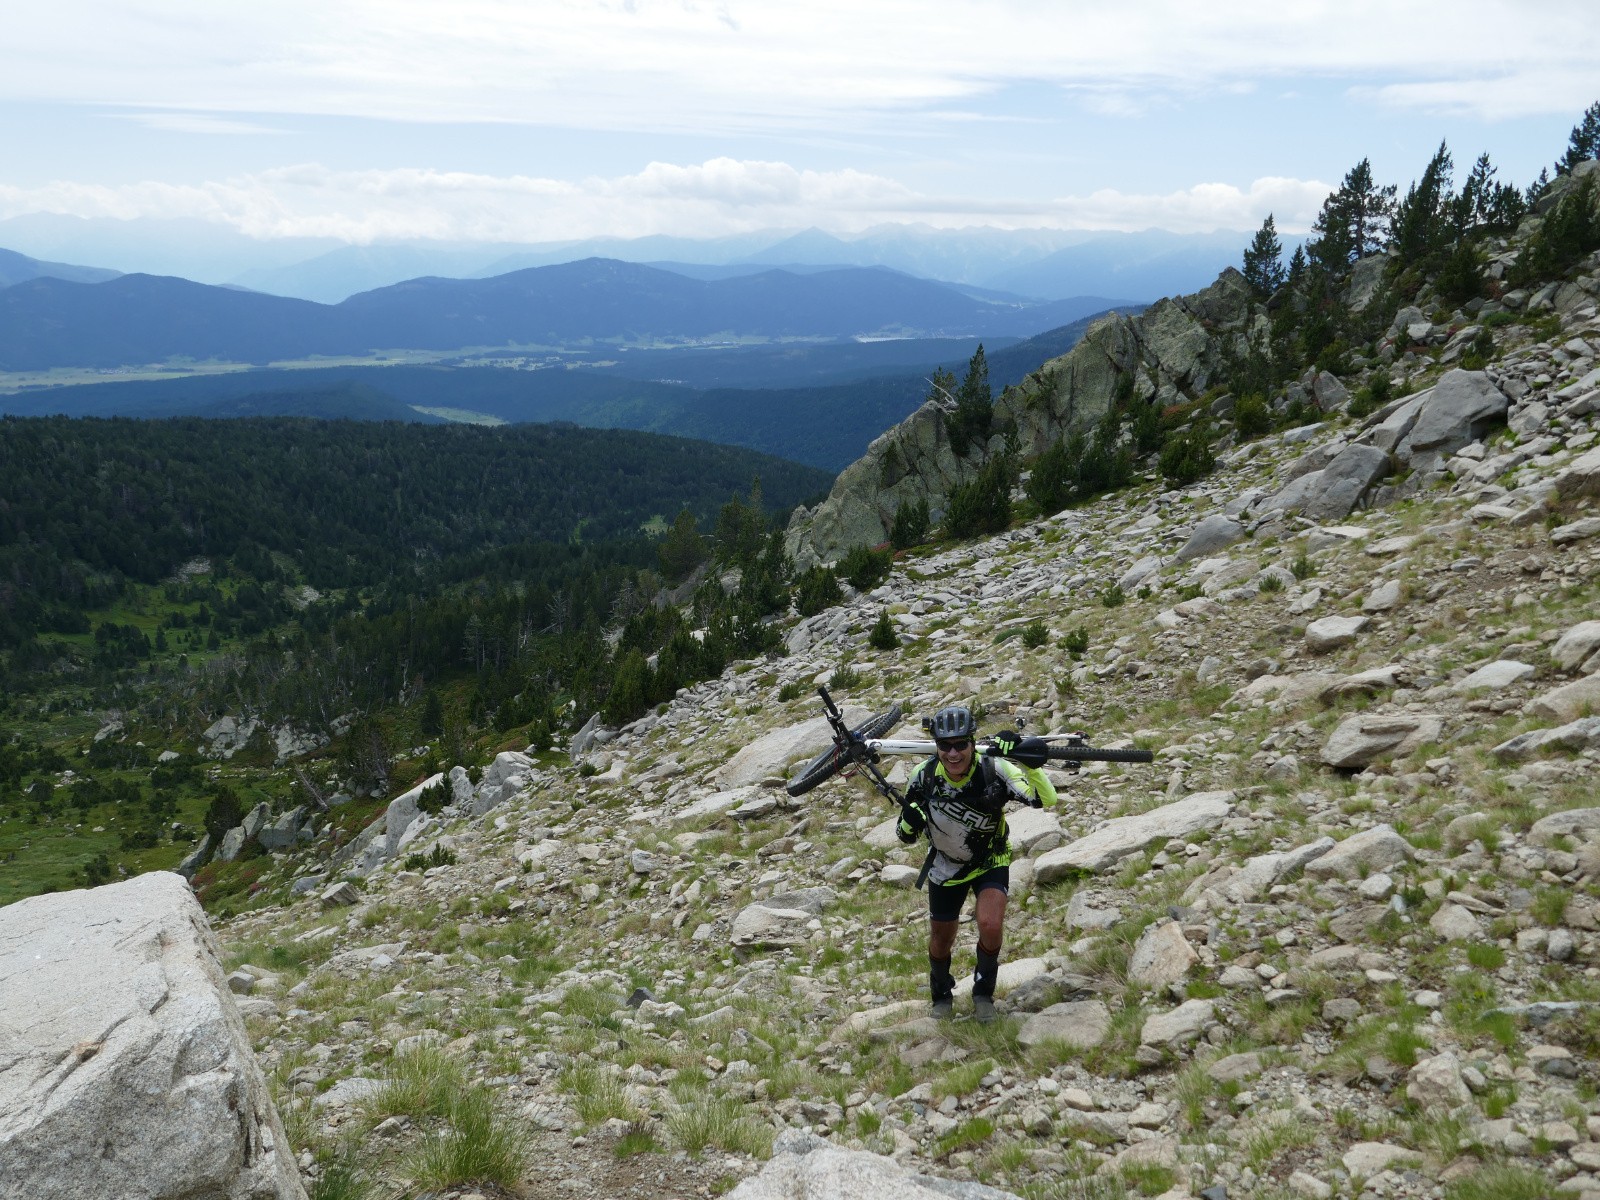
pixel 940 981
pixel 988 972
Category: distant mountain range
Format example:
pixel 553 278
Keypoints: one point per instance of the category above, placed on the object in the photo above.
pixel 820 405
pixel 48 322
pixel 1043 264
pixel 19 268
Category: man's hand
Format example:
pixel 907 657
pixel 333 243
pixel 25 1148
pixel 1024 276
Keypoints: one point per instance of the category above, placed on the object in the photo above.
pixel 913 820
pixel 1006 740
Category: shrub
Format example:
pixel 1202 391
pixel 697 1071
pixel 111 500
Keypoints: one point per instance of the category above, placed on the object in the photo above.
pixel 1076 642
pixel 1188 457
pixel 910 526
pixel 844 679
pixel 1370 398
pixel 983 505
pixel 883 636
pixel 437 857
pixel 433 799
pixel 1251 416
pixel 792 690
pixel 864 568
pixel 1113 596
pixel 1034 635
pixel 815 590
pixel 1302 567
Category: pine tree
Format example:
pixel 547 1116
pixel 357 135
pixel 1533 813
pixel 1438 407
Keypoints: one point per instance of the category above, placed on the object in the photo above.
pixel 682 550
pixel 1354 220
pixel 1420 221
pixel 1263 261
pixel 969 424
pixel 1584 141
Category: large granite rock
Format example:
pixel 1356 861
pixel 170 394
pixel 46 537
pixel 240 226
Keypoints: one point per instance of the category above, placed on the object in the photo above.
pixel 804 1166
pixel 1361 739
pixel 503 779
pixel 1456 411
pixel 1569 701
pixel 1361 854
pixel 1576 645
pixel 1161 956
pixel 770 755
pixel 125 1069
pixel 1118 838
pixel 1212 535
pixel 1082 1024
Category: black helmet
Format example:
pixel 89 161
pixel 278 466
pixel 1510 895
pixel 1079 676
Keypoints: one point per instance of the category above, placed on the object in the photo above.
pixel 956 721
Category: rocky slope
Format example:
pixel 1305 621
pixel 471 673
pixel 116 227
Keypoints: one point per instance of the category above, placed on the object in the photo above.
pixel 1342 939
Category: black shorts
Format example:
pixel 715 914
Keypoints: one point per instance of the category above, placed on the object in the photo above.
pixel 945 899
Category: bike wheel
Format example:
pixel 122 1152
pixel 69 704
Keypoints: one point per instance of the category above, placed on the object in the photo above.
pixel 1097 754
pixel 833 760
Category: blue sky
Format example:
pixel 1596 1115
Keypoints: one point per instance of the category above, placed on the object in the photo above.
pixel 371 120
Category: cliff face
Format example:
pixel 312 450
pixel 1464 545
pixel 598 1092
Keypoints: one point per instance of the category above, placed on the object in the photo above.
pixel 1173 351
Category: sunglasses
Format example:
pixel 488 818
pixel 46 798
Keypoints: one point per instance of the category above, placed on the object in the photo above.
pixel 954 746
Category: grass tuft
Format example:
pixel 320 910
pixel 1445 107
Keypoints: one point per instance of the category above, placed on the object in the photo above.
pixel 482 1144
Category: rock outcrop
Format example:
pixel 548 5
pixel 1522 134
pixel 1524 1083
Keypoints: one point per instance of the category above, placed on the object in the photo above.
pixel 125 1069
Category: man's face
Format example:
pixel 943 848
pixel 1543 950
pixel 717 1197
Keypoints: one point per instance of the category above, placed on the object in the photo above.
pixel 956 755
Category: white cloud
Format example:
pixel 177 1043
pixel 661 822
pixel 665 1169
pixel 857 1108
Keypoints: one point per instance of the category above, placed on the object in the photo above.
pixel 765 65
pixel 201 123
pixel 716 197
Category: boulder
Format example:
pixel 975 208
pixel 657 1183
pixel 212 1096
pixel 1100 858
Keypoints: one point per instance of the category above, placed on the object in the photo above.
pixel 1034 829
pixel 1456 411
pixel 1123 836
pixel 1329 392
pixel 1574 735
pixel 1161 956
pixel 1569 701
pixel 1182 1024
pixel 1581 477
pixel 1581 823
pixel 1329 633
pixel 1383 597
pixel 1258 874
pixel 804 1166
pixel 503 779
pixel 1365 1159
pixel 1576 645
pixel 1343 483
pixel 1087 911
pixel 1455 923
pixel 232 843
pixel 1212 535
pixel 285 831
pixel 1435 1084
pixel 757 926
pixel 403 811
pixel 769 756
pixel 255 820
pixel 196 858
pixel 1081 1024
pixel 1495 676
pixel 1361 739
pixel 1364 853
pixel 127 1070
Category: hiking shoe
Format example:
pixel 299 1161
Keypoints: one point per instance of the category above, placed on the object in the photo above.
pixel 983 1009
pixel 944 1009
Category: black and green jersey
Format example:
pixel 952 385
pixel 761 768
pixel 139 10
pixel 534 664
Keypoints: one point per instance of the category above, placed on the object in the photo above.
pixel 968 833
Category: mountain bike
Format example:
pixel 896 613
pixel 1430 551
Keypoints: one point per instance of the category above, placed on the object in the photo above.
pixel 861 748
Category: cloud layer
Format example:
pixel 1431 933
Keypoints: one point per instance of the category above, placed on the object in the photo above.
pixel 764 64
pixel 717 197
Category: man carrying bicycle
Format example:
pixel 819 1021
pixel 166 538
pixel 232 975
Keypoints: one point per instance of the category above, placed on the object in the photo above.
pixel 958 800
